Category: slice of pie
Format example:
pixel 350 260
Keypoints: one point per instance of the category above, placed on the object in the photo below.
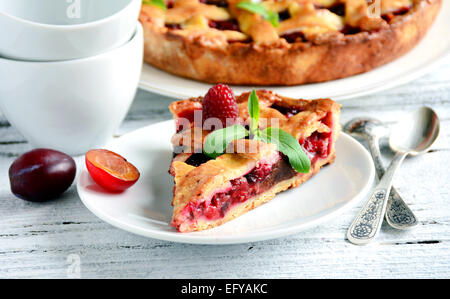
pixel 313 40
pixel 209 192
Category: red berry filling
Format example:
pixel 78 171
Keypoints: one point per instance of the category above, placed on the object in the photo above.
pixel 173 26
pixel 288 111
pixel 224 25
pixel 259 173
pixel 294 37
pixel 170 4
pixel 390 16
pixel 257 181
pixel 317 146
pixel 220 3
pixel 350 30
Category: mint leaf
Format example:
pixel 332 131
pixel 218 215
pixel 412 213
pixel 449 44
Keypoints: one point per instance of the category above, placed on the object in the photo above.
pixel 273 18
pixel 289 146
pixel 216 142
pixel 260 9
pixel 253 111
pixel 159 3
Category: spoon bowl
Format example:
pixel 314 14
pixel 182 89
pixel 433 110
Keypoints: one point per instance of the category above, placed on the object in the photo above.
pixel 416 132
pixel 365 127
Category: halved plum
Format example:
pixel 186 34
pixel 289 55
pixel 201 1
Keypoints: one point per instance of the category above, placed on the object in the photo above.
pixel 110 170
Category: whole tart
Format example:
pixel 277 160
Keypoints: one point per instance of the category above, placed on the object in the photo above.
pixel 210 192
pixel 315 40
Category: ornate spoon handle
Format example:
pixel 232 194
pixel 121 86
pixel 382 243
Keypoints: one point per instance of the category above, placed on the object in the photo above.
pixel 367 223
pixel 398 214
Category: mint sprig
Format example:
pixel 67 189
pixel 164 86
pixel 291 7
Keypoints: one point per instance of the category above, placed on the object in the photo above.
pixel 253 111
pixel 261 10
pixel 216 142
pixel 159 3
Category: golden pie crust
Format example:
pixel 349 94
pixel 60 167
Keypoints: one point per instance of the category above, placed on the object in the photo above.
pixel 210 55
pixel 194 184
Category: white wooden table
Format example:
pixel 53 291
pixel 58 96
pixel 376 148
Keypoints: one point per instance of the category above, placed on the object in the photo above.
pixel 48 239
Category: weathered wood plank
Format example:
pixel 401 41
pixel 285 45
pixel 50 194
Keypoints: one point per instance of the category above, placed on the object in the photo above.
pixel 36 239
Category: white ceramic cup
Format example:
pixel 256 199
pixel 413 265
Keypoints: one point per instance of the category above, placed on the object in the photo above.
pixel 52 30
pixel 72 106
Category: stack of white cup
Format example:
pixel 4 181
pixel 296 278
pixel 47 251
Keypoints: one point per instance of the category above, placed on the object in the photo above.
pixel 69 69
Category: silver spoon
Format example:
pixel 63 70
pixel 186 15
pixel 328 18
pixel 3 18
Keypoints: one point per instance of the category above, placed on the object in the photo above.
pixel 413 135
pixel 398 214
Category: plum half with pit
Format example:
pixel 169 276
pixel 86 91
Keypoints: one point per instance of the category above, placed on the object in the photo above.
pixel 41 174
pixel 110 170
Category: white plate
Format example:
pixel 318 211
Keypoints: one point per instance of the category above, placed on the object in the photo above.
pixel 421 60
pixel 145 208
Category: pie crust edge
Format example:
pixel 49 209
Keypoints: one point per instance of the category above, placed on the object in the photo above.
pixel 286 64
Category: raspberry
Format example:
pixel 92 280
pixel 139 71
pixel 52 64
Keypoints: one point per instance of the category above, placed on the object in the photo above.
pixel 220 103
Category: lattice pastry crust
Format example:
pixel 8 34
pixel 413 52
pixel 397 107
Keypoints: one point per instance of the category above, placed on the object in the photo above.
pixel 316 40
